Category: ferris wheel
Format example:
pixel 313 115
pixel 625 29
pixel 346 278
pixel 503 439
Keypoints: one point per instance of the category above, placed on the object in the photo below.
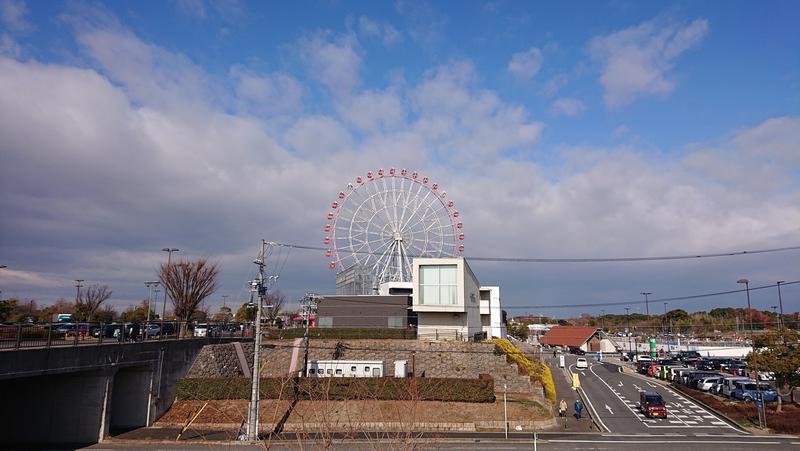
pixel 385 219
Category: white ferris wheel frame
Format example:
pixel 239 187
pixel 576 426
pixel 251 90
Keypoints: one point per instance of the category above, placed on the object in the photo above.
pixel 386 219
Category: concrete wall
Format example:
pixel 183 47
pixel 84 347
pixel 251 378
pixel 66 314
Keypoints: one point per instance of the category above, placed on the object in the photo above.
pixel 76 395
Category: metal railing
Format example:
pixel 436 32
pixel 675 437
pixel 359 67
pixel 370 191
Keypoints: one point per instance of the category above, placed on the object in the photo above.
pixel 46 335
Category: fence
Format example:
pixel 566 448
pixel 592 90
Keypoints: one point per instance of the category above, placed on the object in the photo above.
pixel 19 336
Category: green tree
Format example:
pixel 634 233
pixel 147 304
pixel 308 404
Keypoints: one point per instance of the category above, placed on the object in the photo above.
pixel 137 314
pixel 778 352
pixel 246 313
pixel 224 315
pixel 7 309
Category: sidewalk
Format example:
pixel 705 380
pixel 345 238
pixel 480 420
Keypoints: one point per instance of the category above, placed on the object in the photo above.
pixel 564 391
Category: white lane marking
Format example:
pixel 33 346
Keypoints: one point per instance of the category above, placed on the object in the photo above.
pixel 620 384
pixel 609 410
pixel 589 402
pixel 651 385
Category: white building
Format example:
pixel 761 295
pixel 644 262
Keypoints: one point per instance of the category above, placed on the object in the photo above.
pixel 492 320
pixel 447 298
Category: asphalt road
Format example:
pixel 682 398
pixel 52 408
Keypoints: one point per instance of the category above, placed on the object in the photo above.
pixel 614 396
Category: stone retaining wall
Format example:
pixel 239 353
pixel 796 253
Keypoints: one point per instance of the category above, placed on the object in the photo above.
pixel 428 358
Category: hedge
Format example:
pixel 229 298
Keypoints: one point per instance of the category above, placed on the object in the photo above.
pixel 344 333
pixel 537 370
pixel 343 388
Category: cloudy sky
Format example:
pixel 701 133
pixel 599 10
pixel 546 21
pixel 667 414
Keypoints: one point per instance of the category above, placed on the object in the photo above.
pixel 586 129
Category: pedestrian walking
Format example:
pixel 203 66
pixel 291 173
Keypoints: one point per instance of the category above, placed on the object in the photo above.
pixel 562 408
pixel 578 408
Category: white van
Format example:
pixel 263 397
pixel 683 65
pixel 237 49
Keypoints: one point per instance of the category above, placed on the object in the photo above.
pixel 643 358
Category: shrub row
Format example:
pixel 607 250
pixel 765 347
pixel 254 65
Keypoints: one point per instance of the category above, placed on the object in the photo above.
pixel 344 333
pixel 342 388
pixel 537 370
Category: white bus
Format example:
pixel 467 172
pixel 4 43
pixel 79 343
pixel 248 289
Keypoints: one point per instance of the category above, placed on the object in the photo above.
pixel 345 368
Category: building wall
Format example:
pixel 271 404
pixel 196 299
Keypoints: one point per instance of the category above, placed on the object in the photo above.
pixel 364 311
pixel 459 321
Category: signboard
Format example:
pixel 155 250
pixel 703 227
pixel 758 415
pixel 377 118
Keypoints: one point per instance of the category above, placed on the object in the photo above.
pixel 561 361
pixel 576 382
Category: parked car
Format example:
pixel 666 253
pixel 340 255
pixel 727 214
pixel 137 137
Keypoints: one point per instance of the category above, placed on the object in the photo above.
pixel 642 367
pixel 729 385
pixel 151 330
pixel 643 358
pixel 706 383
pixel 706 365
pixel 581 363
pixel 747 391
pixel 652 404
pixel 577 351
pixel 695 376
pixel 107 331
pixel 683 355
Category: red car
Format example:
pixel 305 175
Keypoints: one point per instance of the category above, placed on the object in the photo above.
pixel 652 404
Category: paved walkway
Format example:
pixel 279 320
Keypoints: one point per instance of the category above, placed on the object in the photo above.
pixel 564 390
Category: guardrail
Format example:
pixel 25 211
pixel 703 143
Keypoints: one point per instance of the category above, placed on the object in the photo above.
pixel 21 336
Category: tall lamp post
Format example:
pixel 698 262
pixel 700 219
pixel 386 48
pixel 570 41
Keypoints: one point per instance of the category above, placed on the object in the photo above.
pixel 628 315
pixel 169 250
pixel 3 267
pixel 759 398
pixel 646 301
pixel 780 305
pixel 603 319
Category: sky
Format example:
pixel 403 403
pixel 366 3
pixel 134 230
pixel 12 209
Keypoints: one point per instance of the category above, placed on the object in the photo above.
pixel 572 129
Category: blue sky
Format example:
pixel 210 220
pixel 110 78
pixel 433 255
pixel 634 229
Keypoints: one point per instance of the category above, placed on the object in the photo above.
pixel 572 129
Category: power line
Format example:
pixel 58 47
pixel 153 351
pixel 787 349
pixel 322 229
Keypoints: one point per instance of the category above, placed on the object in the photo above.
pixel 640 302
pixel 355 299
pixel 579 260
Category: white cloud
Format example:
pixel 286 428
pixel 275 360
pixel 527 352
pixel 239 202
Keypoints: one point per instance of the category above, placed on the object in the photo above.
pixel 13 15
pixel 525 65
pixel 9 47
pixel 332 60
pixel 231 11
pixel 274 93
pixel 567 106
pixel 369 28
pixel 636 61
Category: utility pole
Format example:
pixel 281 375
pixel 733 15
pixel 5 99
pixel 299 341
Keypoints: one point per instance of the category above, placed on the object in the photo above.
pixel 759 397
pixel 309 307
pixel 646 303
pixel 780 304
pixel 603 319
pixel 628 315
pixel 78 285
pixel 259 287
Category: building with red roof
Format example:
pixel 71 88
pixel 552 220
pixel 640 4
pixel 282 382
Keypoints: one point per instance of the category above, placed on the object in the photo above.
pixel 587 339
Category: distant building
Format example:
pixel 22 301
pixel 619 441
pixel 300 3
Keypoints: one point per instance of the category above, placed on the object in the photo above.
pixel 587 339
pixel 357 280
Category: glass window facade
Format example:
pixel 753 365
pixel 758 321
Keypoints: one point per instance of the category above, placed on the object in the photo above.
pixel 437 284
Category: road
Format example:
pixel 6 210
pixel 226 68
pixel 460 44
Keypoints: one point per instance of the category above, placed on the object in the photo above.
pixel 614 395
pixel 494 441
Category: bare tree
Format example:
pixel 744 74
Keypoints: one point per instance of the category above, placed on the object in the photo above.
pixel 90 301
pixel 188 283
pixel 276 300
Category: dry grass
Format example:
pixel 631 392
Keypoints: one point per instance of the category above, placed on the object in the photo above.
pixel 337 414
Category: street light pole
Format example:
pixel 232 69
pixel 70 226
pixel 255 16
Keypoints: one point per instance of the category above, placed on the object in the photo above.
pixel 780 304
pixel 646 301
pixel 628 315
pixel 603 319
pixel 169 250
pixel 759 398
